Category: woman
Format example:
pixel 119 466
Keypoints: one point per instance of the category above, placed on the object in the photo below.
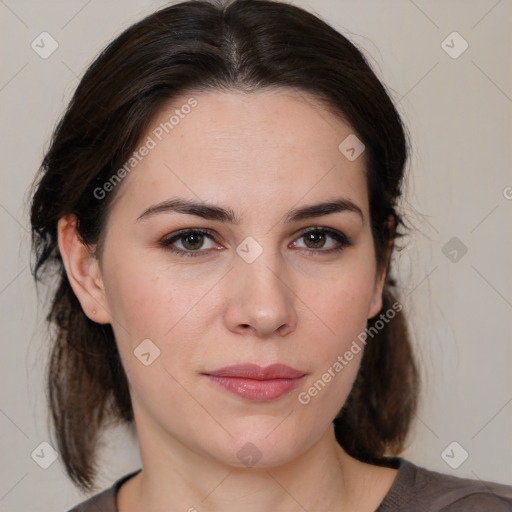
pixel 220 205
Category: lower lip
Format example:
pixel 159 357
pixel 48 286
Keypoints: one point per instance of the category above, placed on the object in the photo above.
pixel 257 390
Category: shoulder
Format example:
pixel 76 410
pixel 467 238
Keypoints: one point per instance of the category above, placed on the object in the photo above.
pixel 419 489
pixel 104 501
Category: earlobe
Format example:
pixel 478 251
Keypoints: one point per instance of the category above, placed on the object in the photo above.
pixel 83 270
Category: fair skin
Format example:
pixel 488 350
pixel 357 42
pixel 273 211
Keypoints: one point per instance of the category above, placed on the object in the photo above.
pixel 260 155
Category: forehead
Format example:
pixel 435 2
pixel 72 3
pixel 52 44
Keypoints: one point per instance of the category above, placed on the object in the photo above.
pixel 248 150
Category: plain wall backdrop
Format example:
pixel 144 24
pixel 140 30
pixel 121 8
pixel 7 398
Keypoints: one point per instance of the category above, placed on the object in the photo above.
pixel 455 268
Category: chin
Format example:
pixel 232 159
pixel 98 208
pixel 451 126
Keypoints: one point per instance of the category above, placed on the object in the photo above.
pixel 262 447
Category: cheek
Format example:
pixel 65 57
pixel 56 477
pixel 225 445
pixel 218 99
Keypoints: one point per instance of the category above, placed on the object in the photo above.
pixel 342 299
pixel 146 302
pixel 342 307
pixel 335 358
pixel 150 306
pixel 162 305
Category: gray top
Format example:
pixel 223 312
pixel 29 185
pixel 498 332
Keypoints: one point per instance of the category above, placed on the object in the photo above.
pixel 415 489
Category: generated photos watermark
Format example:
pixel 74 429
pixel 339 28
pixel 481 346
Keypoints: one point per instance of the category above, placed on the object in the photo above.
pixel 151 142
pixel 343 360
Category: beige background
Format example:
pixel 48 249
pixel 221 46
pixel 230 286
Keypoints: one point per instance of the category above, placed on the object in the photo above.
pixel 458 111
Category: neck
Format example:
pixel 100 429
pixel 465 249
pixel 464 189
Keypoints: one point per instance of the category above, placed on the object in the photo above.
pixel 323 478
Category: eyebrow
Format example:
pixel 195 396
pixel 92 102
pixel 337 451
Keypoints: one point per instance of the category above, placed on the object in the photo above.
pixel 227 215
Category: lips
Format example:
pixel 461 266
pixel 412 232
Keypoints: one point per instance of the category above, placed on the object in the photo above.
pixel 257 383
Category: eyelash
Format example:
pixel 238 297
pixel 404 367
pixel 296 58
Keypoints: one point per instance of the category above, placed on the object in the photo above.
pixel 166 243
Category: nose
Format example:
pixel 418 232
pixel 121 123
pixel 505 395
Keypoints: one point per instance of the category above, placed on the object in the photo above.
pixel 262 300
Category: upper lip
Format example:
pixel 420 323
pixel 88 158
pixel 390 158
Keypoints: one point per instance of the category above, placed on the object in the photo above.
pixel 254 371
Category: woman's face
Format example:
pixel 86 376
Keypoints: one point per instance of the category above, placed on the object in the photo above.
pixel 249 289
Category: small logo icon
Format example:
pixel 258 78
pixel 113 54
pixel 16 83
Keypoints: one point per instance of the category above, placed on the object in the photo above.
pixel 249 455
pixel 146 352
pixel 44 455
pixel 454 455
pixel 454 249
pixel 351 147
pixel 249 249
pixel 44 45
pixel 454 45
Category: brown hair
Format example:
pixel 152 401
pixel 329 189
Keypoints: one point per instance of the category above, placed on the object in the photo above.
pixel 192 46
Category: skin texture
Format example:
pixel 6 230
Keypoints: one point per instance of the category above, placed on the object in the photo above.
pixel 260 155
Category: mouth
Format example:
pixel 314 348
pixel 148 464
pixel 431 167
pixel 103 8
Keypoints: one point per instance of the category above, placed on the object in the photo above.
pixel 257 383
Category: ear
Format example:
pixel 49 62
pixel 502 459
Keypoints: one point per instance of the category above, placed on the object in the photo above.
pixel 376 302
pixel 83 271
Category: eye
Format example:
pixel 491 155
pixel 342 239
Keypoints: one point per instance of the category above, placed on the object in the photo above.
pixel 191 240
pixel 315 240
